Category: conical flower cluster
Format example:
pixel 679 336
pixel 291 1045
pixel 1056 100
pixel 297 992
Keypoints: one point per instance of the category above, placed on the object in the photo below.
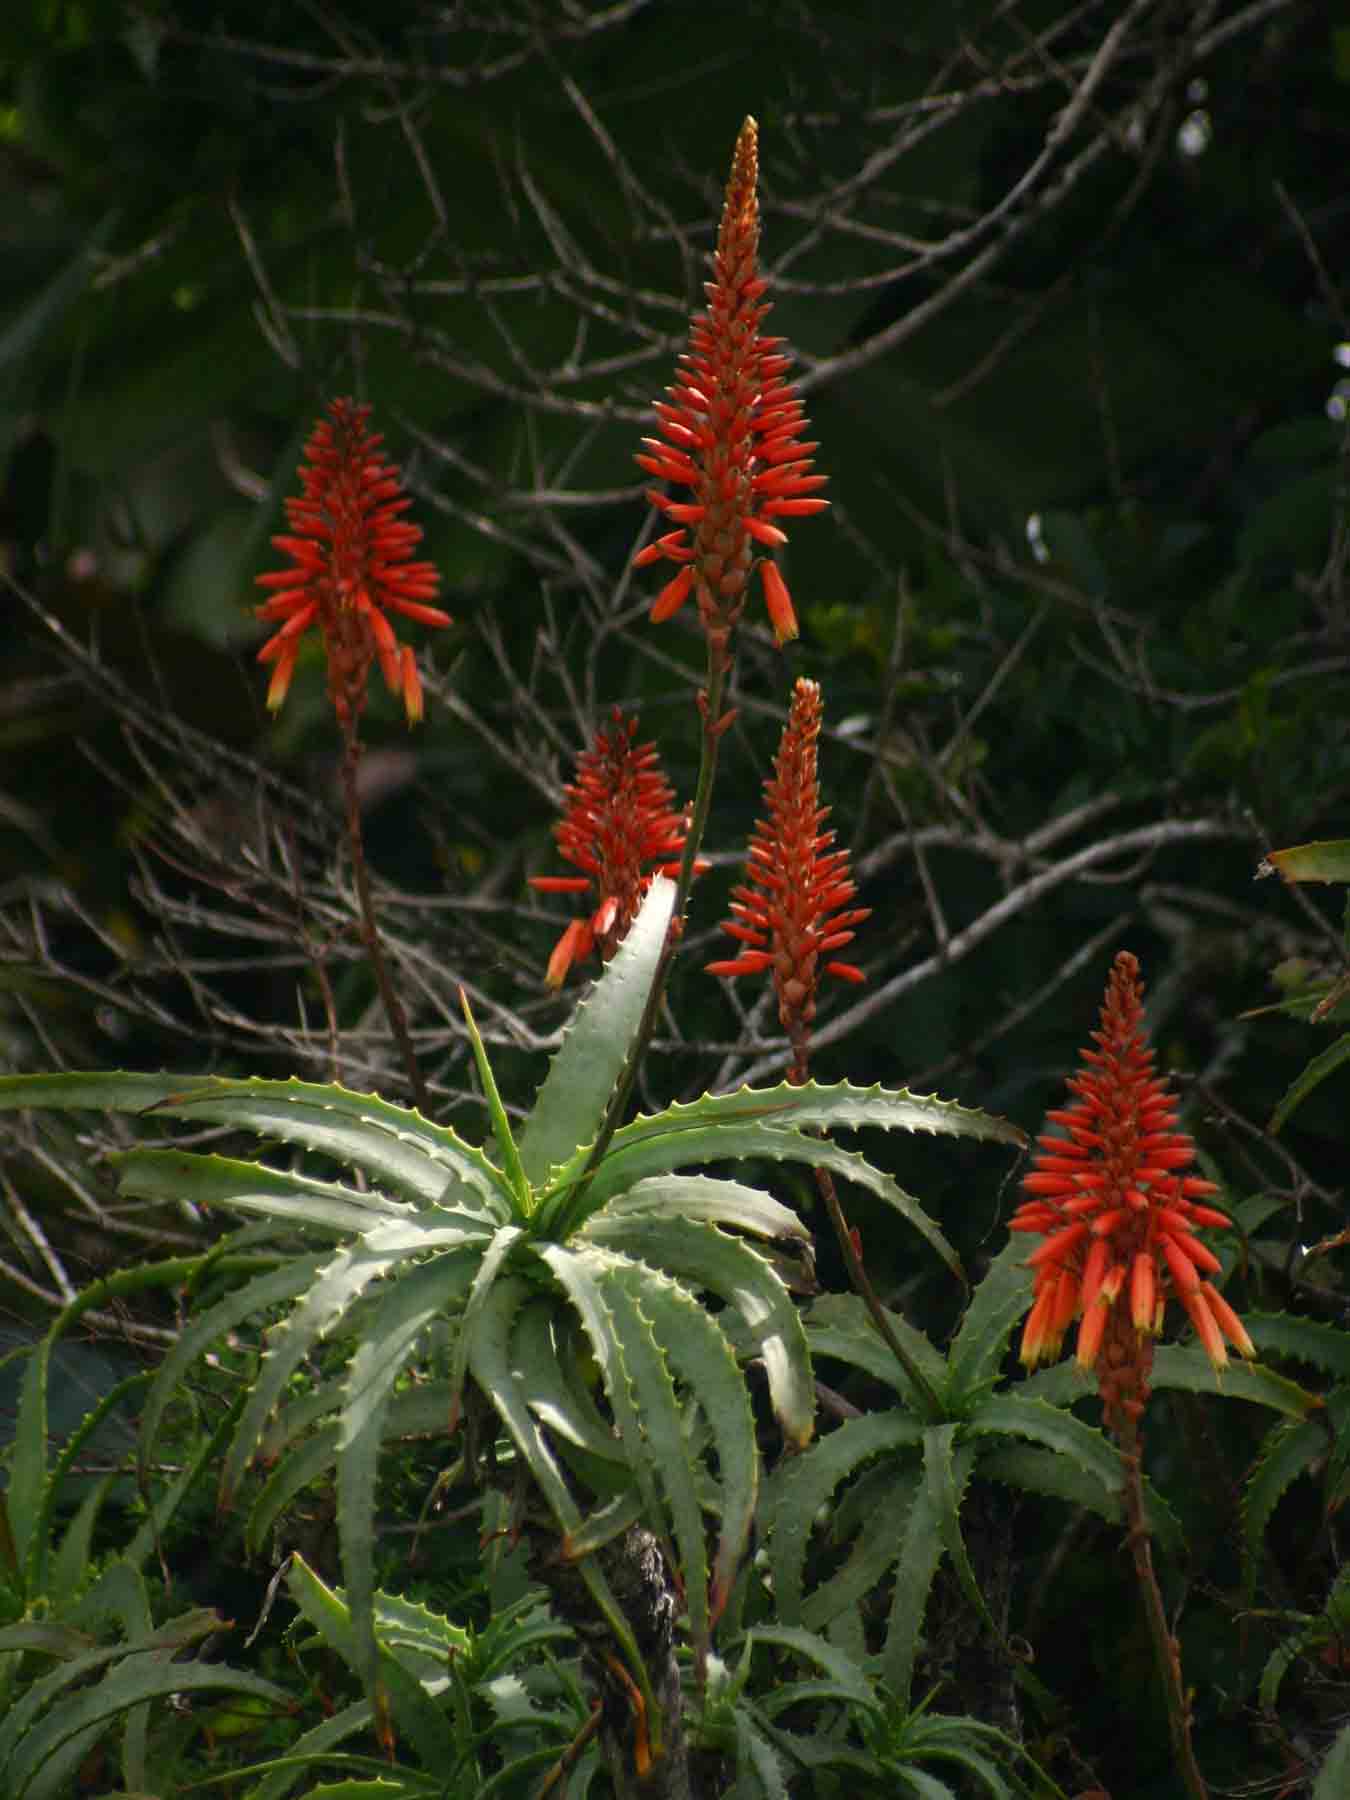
pixel 620 818
pixel 1117 1212
pixel 351 549
pixel 731 434
pixel 793 908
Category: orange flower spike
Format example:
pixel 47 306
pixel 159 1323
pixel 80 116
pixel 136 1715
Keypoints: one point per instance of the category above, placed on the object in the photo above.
pixel 1117 1214
pixel 351 549
pixel 731 434
pixel 788 911
pixel 620 817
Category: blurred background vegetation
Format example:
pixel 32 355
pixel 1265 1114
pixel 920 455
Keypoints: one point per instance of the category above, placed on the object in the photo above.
pixel 1065 287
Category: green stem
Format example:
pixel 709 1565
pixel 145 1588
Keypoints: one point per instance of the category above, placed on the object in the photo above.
pixel 862 1282
pixel 710 704
pixel 370 933
pixel 1166 1651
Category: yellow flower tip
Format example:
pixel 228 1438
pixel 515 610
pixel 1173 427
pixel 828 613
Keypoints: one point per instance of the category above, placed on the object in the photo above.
pixel 412 687
pixel 782 616
pixel 1228 1321
pixel 1039 1340
pixel 280 684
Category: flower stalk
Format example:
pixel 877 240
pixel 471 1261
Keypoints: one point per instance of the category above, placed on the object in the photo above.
pixel 351 553
pixel 788 915
pixel 1117 1215
pixel 731 435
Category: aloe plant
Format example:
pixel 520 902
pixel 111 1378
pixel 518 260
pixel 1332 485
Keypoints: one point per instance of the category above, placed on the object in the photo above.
pixel 545 1263
pixel 867 1739
pixel 954 1420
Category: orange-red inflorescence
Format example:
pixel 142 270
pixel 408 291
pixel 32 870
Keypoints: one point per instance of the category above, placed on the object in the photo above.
pixel 1117 1213
pixel 731 433
pixel 620 816
pixel 788 912
pixel 350 547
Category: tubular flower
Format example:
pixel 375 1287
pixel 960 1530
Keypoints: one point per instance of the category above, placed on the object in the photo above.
pixel 788 911
pixel 620 815
pixel 350 548
pixel 731 433
pixel 1119 1216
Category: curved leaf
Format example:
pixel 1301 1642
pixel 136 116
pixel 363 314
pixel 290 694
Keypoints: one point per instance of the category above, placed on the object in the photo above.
pixel 303 1453
pixel 1013 1415
pixel 839 1106
pixel 918 1552
pixel 488 1337
pixel 322 1311
pixel 948 1463
pixel 419 1717
pixel 664 1152
pixel 844 1679
pixel 248 1302
pixel 1312 1076
pixel 73 1559
pixel 840 1326
pixel 389 1143
pixel 501 1125
pixel 490 1363
pixel 173 1175
pixel 640 1315
pixel 28 1495
pixel 278 1781
pixel 296 1468
pixel 570 1106
pixel 46 1758
pixel 981 1340
pixel 1306 1340
pixel 418 1298
pixel 713 1199
pixel 545 1373
pixel 1291 1449
pixel 206 1453
pixel 801 1487
pixel 1038 1471
pixel 731 1269
pixel 489 1267
pixel 1187 1367
pixel 691 1342
pixel 884 1491
pixel 580 1271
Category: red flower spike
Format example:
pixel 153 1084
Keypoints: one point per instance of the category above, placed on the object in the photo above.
pixel 351 552
pixel 732 430
pixel 620 816
pixel 788 908
pixel 1116 1215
